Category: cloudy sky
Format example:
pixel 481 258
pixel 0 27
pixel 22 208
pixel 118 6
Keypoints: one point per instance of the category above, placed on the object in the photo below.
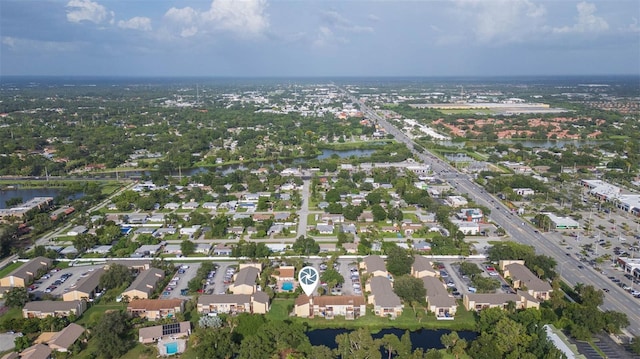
pixel 319 37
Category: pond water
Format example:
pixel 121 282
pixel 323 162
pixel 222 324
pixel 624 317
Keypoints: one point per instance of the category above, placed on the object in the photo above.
pixel 345 153
pixel 425 339
pixel 26 194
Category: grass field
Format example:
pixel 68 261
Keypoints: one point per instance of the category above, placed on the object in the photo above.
pixel 95 312
pixel 6 270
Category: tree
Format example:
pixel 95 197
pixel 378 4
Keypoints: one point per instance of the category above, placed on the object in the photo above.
pixel 22 342
pixel 449 340
pixel 391 344
pixel 332 277
pixel 215 344
pixel 614 321
pixel 321 352
pixel 399 261
pixel 16 297
pixel 209 322
pixel 635 345
pixel 358 344
pixel 187 247
pixel 112 334
pixel 306 245
pixel 379 214
pixel 117 275
pixel 470 269
pixel 410 289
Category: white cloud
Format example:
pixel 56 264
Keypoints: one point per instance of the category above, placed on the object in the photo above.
pixel 136 23
pixel 185 15
pixel 335 20
pixel 28 45
pixel 86 10
pixel 587 21
pixel 500 21
pixel 373 17
pixel 246 18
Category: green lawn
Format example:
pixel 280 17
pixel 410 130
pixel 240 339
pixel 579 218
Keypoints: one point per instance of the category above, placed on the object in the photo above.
pixel 311 220
pixel 408 320
pixel 110 189
pixel 96 311
pixel 6 270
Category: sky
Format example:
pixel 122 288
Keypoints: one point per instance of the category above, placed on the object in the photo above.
pixel 309 38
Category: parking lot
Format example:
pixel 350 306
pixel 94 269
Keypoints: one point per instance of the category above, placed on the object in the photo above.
pixel 52 282
pixel 184 275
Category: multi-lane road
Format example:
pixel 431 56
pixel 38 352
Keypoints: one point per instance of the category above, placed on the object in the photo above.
pixel 617 299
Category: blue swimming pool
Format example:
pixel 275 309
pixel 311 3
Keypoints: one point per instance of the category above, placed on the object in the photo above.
pixel 171 348
pixel 287 286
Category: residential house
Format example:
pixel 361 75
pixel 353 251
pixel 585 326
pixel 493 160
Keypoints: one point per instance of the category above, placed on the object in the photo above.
pixel 522 278
pixel 77 230
pixel 366 217
pixel 333 218
pixel 222 250
pixel 439 301
pixel 256 303
pixel 245 281
pixel 422 246
pixel 64 339
pixel 172 330
pixel 422 267
pixel 172 206
pixel 348 306
pixel 26 273
pixel 154 309
pixel 202 248
pixel 350 248
pixel 210 205
pixel 45 308
pixel 348 228
pixel 191 205
pixel 281 217
pixel 385 302
pixel 477 302
pixel 375 266
pixel 144 284
pixel 324 228
pixel 410 228
pixel 86 287
pixel 37 351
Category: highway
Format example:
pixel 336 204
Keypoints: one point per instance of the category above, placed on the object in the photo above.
pixel 617 299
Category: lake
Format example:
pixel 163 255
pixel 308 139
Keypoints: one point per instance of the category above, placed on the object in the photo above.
pixel 425 339
pixel 26 194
